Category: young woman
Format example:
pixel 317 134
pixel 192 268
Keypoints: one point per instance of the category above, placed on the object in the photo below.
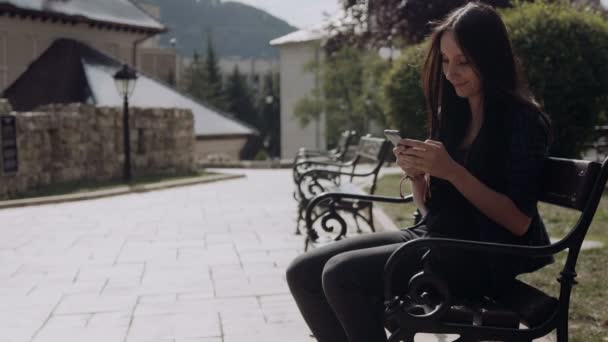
pixel 475 178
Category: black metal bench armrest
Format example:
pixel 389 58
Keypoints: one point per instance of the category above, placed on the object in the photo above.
pixel 341 195
pixel 327 174
pixel 321 163
pixel 428 243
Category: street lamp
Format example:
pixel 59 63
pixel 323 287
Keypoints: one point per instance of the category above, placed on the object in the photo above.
pixel 125 80
pixel 368 105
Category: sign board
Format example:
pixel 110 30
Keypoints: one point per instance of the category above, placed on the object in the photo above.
pixel 8 144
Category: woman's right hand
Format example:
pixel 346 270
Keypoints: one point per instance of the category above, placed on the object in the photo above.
pixel 411 172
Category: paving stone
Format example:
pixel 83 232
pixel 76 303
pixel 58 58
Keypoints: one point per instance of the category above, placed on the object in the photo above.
pixel 174 326
pixel 202 263
pixel 79 304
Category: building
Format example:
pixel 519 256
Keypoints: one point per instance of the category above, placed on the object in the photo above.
pixel 296 50
pixel 116 27
pixel 70 71
pixel 115 31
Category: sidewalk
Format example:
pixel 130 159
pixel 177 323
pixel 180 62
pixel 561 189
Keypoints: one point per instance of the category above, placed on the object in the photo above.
pixel 201 263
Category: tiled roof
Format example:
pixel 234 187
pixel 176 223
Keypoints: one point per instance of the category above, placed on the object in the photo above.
pixel 92 82
pixel 121 12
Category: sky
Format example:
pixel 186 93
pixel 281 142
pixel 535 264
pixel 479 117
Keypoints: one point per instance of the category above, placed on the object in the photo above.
pixel 305 13
pixel 299 13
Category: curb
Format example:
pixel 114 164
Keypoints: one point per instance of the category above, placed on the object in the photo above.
pixel 120 190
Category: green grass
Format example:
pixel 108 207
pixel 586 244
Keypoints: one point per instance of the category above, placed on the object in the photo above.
pixel 589 300
pixel 89 186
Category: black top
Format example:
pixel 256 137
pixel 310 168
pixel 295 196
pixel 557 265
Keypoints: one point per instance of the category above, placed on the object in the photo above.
pixel 507 155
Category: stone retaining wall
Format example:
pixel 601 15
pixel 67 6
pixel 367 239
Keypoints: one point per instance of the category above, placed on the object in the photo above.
pixel 67 143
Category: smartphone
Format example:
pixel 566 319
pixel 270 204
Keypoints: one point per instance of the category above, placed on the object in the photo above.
pixel 393 136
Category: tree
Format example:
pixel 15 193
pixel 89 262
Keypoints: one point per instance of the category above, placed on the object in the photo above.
pixel 194 78
pixel 203 78
pixel 564 54
pixel 390 23
pixel 348 92
pixel 239 98
pixel 214 91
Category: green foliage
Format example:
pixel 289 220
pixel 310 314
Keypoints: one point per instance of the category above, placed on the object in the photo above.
pixel 565 57
pixel 194 78
pixel 203 78
pixel 564 52
pixel 347 92
pixel 261 155
pixel 403 97
pixel 214 90
pixel 240 98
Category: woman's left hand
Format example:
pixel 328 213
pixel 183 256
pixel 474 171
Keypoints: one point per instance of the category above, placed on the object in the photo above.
pixel 431 157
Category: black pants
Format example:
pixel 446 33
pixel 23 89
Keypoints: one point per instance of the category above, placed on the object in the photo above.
pixel 339 287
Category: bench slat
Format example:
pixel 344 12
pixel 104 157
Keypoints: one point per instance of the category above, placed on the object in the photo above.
pixel 568 182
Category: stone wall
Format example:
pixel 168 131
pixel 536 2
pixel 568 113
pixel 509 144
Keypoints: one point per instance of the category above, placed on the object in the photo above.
pixel 68 143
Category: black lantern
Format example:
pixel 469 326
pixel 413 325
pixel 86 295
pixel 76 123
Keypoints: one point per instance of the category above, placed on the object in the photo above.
pixel 125 80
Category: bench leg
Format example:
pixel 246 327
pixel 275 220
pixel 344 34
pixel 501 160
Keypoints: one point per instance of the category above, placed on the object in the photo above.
pixel 298 220
pixel 371 218
pixel 359 231
pixel 562 332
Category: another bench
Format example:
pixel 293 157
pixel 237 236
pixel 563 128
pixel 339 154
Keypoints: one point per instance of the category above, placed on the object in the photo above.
pixel 306 158
pixel 336 154
pixel 326 177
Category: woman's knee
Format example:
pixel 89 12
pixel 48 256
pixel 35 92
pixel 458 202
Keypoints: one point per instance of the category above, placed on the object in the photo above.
pixel 304 271
pixel 336 273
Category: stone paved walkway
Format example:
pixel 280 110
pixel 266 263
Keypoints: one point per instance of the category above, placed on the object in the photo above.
pixel 202 263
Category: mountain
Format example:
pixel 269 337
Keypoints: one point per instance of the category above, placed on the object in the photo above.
pixel 236 29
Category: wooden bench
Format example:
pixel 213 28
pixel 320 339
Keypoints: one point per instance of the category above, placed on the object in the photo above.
pixel 331 177
pixel 522 312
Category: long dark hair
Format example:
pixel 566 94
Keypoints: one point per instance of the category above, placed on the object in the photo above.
pixel 482 37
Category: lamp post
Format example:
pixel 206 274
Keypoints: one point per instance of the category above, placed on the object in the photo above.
pixel 125 79
pixel 368 105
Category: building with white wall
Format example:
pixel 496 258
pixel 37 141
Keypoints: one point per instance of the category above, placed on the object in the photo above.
pixel 296 50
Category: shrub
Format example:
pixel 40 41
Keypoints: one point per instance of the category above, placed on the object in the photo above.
pixel 564 53
pixel 403 100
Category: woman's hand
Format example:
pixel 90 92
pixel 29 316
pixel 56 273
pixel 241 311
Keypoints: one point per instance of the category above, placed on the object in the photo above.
pixel 428 157
pixel 410 171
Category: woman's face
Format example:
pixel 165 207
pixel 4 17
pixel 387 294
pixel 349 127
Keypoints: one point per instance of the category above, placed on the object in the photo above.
pixel 457 69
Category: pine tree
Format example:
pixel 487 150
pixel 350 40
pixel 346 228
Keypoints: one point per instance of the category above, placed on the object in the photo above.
pixel 194 78
pixel 214 93
pixel 203 78
pixel 239 98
